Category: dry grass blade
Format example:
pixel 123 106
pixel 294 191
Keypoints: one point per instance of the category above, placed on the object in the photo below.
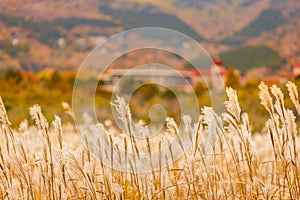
pixel 3 114
pixel 293 92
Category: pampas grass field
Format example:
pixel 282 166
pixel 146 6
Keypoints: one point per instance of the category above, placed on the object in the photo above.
pixel 48 161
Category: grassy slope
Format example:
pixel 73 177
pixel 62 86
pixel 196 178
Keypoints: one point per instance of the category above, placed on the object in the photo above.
pixel 268 20
pixel 245 58
pixel 143 16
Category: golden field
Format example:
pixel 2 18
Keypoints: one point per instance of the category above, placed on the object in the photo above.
pixel 48 161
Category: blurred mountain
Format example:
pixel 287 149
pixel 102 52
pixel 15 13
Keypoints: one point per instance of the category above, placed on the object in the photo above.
pixel 38 34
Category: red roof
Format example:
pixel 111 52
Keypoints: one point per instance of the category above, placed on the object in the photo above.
pixel 203 72
pixel 297 65
pixel 287 75
pixel 218 62
pixel 190 71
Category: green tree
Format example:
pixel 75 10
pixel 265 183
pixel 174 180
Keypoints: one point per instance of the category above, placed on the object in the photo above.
pixel 146 92
pixel 13 75
pixel 56 77
pixel 200 89
pixel 233 79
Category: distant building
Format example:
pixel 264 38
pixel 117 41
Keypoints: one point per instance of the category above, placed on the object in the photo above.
pixel 297 69
pixel 95 40
pixel 15 41
pixel 162 75
pixel 61 42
